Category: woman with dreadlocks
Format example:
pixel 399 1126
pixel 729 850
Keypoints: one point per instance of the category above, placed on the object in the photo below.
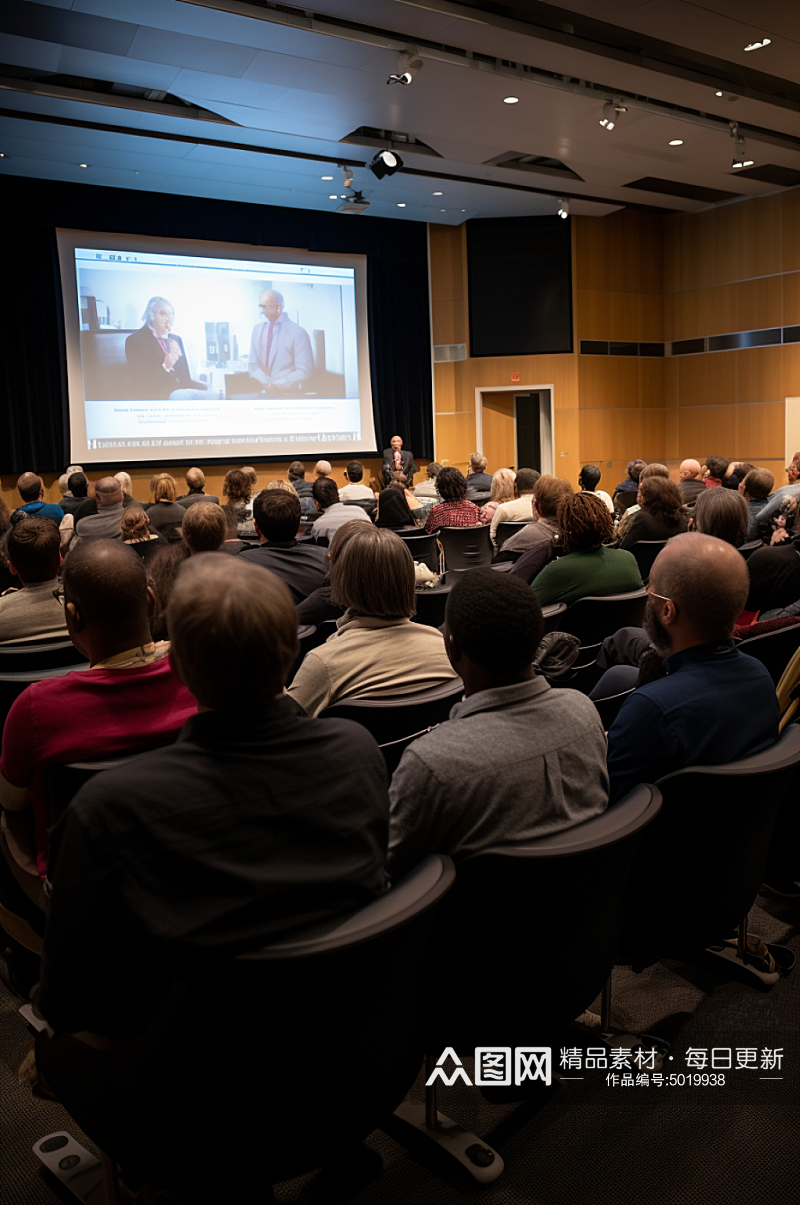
pixel 587 565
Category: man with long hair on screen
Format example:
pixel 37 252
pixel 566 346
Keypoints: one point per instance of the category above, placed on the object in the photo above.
pixel 280 351
pixel 157 366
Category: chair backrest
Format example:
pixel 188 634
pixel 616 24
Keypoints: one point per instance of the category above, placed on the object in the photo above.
pixel 623 500
pixel 422 546
pixel 608 708
pixel 327 1024
pixel 504 531
pixel 390 719
pixel 700 866
pixel 645 552
pixel 466 547
pixel 431 604
pixel 750 547
pixel 521 908
pixel 774 649
pixel 39 655
pixel 593 618
pixel 367 504
pixel 64 781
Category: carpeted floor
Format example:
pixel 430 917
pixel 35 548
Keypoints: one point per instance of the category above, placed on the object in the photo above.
pixel 587 1141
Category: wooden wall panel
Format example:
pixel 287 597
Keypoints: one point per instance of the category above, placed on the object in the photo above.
pixel 499 430
pixel 790 287
pixel 705 431
pixel 742 306
pixel 632 317
pixel 621 252
pixel 566 432
pixel 609 382
pixel 758 432
pixel 707 379
pixel 790 230
pixel 671 444
pixel 455 438
pixel 759 375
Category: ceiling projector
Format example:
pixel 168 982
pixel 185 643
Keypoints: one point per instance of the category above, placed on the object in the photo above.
pixel 354 204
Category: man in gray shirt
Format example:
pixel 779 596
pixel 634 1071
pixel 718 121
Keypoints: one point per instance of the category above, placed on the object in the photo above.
pixel 516 759
pixel 33 554
pixel 333 513
pixel 106 523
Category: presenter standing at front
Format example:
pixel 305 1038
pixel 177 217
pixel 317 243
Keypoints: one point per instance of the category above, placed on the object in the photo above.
pixel 395 460
pixel 280 350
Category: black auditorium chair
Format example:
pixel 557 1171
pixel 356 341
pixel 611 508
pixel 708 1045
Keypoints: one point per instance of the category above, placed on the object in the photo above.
pixel 219 1108
pixel 504 531
pixel 39 654
pixel 592 619
pixel 774 649
pixel 422 546
pixel 750 547
pixel 466 547
pixel 623 500
pixel 64 781
pixel 401 718
pixel 700 866
pixel 483 977
pixel 608 708
pixel 431 603
pixel 367 504
pixel 645 552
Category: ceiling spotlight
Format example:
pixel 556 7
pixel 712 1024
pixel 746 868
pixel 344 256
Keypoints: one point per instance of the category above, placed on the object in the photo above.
pixel 83 165
pixel 563 208
pixel 333 196
pixel 740 158
pixel 347 180
pixel 409 65
pixel 510 100
pixel 676 142
pixel 718 93
pixel 385 163
pixel 326 177
pixel 611 114
pixel 758 45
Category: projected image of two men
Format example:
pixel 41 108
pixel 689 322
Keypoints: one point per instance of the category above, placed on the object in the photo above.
pixel 207 351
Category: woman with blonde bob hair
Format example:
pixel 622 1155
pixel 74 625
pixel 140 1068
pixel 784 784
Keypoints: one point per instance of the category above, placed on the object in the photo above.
pixel 502 491
pixel 165 515
pixel 376 649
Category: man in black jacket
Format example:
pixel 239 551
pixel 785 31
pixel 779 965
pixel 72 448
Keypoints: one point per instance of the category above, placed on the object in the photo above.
pixel 395 459
pixel 157 365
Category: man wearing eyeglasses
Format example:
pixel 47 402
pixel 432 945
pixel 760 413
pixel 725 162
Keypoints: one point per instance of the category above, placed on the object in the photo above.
pixel 280 351
pixel 715 703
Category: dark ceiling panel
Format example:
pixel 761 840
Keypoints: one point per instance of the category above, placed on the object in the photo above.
pixel 674 188
pixel 772 173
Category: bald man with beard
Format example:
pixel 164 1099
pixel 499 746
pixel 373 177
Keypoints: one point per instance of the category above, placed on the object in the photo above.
pixel 716 704
pixel 690 481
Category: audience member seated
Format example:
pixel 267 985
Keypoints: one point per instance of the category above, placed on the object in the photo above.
pixel 587 566
pixel 106 523
pixel 32 550
pixel 626 518
pixel 165 515
pixel 332 513
pixel 196 482
pixel 355 488
pixel 301 566
pixel 716 467
pixel 502 491
pixel 516 759
pixel 76 492
pixel 715 704
pixel 661 513
pixel 589 479
pixel 31 491
pixel 237 833
pixel 630 485
pixel 723 514
pixel 690 481
pixel 136 533
pixel 520 508
pixel 775 573
pixel 755 488
pixel 127 489
pixel 297 476
pixel 322 469
pixel 232 544
pixel 547 493
pixel 427 488
pixel 790 490
pixel 162 572
pixel 454 510
pixel 319 607
pixel 479 482
pixel 237 488
pixel 735 474
pixel 393 509
pixel 88 504
pixel 204 527
pixel 376 649
pixel 401 482
pixel 129 698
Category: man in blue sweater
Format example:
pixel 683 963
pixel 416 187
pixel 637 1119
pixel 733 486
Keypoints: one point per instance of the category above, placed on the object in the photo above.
pixel 716 704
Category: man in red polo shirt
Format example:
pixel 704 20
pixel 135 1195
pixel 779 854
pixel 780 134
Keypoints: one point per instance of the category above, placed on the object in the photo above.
pixel 128 699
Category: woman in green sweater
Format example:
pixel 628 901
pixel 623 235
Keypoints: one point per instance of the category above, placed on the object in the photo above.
pixel 587 566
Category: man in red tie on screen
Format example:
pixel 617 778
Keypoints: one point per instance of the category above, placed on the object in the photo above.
pixel 280 350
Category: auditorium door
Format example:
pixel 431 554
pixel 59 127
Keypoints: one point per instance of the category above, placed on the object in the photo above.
pixel 515 428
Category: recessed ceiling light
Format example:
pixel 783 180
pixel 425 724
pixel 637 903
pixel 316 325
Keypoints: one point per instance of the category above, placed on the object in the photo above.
pixel 759 45
pixel 442 211
pixel 463 211
pixel 718 93
pixel 333 196
pixel 401 204
pixel 326 177
pixel 510 100
pixel 676 142
pixel 83 165
pixel 437 194
pixel 343 196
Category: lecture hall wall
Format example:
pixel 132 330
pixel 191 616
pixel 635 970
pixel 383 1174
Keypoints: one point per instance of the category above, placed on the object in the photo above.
pixel 643 278
pixel 636 278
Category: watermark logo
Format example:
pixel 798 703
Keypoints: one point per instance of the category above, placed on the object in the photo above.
pixel 495 1065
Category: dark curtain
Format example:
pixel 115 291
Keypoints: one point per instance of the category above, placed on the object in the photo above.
pixel 35 426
